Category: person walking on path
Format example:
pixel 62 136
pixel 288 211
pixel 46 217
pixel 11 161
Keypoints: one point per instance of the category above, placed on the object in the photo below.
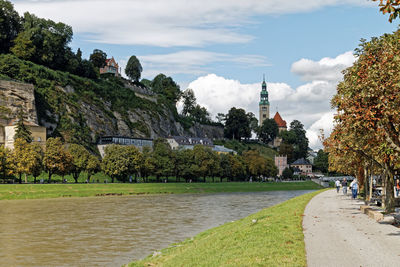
pixel 337 184
pixel 354 189
pixel 397 187
pixel 344 185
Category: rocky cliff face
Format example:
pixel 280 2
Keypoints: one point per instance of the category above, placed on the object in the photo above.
pixel 14 95
pixel 70 115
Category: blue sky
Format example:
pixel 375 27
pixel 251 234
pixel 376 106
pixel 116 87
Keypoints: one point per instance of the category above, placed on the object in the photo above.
pixel 221 49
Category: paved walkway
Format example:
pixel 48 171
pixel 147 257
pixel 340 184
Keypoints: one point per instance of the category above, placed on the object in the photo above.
pixel 336 233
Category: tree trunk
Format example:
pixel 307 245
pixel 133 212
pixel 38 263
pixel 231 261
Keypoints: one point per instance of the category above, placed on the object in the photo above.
pixel 20 178
pixel 112 179
pixel 49 180
pixel 76 177
pixel 34 179
pixel 220 179
pixel 389 194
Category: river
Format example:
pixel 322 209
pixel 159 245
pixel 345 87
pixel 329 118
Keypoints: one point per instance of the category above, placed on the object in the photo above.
pixel 111 231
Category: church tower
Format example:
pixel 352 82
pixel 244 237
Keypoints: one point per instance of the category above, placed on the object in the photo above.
pixel 264 103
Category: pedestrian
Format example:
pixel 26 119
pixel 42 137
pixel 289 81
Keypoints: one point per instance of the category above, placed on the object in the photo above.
pixel 337 184
pixel 344 185
pixel 397 187
pixel 354 188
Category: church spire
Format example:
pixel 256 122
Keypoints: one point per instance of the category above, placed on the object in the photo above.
pixel 264 103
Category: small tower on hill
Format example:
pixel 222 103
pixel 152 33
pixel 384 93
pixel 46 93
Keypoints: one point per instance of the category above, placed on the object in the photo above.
pixel 264 103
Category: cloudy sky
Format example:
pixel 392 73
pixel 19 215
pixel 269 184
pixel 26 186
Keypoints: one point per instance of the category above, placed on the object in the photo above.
pixel 221 49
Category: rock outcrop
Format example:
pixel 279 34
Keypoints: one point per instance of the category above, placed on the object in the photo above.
pixel 90 119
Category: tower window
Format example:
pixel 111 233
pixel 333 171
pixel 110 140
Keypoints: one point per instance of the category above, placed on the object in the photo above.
pixel 264 115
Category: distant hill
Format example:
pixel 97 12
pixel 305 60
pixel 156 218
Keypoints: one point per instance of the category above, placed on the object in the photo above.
pixel 80 109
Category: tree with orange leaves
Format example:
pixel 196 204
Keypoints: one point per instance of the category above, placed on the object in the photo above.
pixel 368 104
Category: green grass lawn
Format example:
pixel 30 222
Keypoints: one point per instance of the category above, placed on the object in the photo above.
pixel 275 239
pixel 30 191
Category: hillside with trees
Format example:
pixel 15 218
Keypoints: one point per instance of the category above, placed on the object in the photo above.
pixel 77 103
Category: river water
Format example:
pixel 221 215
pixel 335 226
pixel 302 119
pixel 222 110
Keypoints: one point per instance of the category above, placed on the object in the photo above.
pixel 111 231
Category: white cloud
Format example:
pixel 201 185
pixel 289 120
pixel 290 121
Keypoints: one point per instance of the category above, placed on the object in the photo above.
pixel 166 23
pixel 308 103
pixel 194 62
pixel 327 69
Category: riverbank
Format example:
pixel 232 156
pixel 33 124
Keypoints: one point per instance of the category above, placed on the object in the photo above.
pixel 35 191
pixel 271 237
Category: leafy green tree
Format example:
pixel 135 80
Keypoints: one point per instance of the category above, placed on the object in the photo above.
pixel 237 124
pixel 187 167
pixel 5 161
pixel 133 69
pixel 189 102
pixel 204 160
pixel 36 166
pixel 80 157
pixel 10 25
pixel 287 150
pixel 162 158
pixel 93 166
pixel 135 159
pixel 166 87
pixel 115 162
pixel 22 130
pixel 43 42
pixel 287 173
pixel 98 58
pixel 21 158
pixel 253 122
pixel 321 161
pixel 56 159
pixel 268 131
pixel 296 136
pixel 147 166
pixel 220 117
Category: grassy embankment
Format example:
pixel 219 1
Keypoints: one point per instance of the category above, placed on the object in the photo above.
pixel 275 239
pixel 31 191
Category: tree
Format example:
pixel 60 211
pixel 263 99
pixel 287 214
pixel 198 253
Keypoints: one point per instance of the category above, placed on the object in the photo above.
pixel 36 166
pixel 237 124
pixel 22 131
pixel 80 157
pixel 268 131
pixel 133 69
pixel 296 137
pixel 287 150
pixel 147 165
pixel 5 161
pixel 10 25
pixel 391 7
pixel 287 173
pixel 43 42
pixel 21 158
pixel 166 87
pixel 189 102
pixel 366 133
pixel 98 58
pixel 115 162
pixel 162 158
pixel 253 122
pixel 93 166
pixel 135 158
pixel 56 159
pixel 321 161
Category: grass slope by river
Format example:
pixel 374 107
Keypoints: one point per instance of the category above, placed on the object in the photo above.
pixel 31 191
pixel 275 239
